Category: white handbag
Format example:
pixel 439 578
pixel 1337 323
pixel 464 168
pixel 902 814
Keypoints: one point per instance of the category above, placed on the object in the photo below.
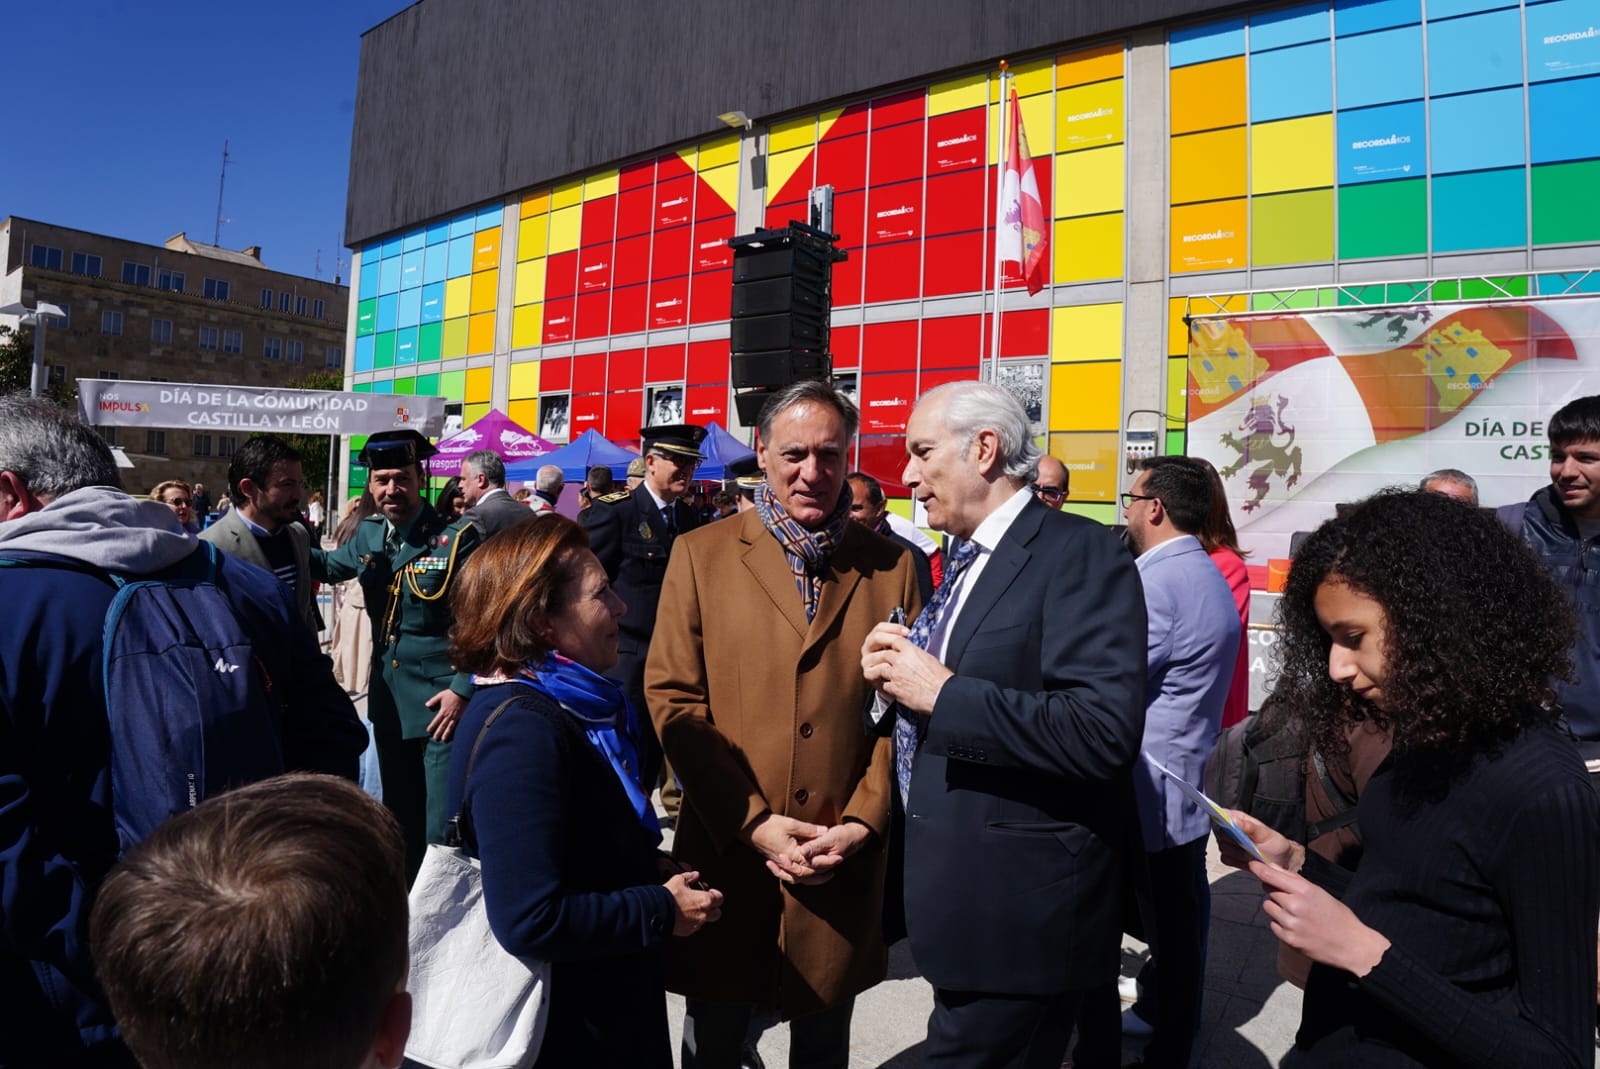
pixel 473 1005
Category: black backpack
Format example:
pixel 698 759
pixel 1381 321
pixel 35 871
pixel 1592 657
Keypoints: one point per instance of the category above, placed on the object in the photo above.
pixel 1260 767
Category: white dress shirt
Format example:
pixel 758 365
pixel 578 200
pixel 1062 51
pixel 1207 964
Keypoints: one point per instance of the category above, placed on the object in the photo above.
pixel 986 537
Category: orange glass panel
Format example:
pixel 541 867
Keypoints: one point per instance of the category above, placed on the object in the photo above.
pixel 1208 95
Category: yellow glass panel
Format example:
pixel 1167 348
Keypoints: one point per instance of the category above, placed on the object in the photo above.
pixel 826 120
pixel 457 296
pixel 525 412
pixel 1088 183
pixel 471 414
pixel 959 95
pixel 1292 154
pixel 565 226
pixel 1089 116
pixel 524 380
pixel 1177 329
pixel 781 166
pixel 485 291
pixel 1209 237
pixel 535 203
pixel 532 235
pixel 1092 461
pixel 724 182
pixel 486 249
pixel 1029 78
pixel 792 133
pixel 527 326
pixel 567 194
pixel 1089 65
pixel 1038 126
pixel 1178 388
pixel 1208 166
pixel 600 185
pixel 1207 96
pixel 480 334
pixel 1086 397
pixel 453 339
pixel 1086 332
pixel 719 153
pixel 1088 248
pixel 480 383
pixel 529 286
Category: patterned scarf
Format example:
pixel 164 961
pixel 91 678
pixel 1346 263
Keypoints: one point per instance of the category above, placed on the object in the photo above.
pixel 806 550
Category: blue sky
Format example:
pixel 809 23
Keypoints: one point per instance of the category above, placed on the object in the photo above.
pixel 118 110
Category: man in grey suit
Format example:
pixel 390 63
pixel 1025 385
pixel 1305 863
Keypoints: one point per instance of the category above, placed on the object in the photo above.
pixel 483 484
pixel 1193 640
pixel 264 527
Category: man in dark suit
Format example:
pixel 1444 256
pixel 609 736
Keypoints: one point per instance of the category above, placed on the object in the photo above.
pixel 632 532
pixel 1016 759
pixel 265 529
pixel 483 485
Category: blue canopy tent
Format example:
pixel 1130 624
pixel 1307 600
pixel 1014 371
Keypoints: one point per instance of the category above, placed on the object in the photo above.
pixel 721 449
pixel 575 459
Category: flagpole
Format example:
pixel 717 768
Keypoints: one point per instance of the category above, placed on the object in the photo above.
pixel 999 193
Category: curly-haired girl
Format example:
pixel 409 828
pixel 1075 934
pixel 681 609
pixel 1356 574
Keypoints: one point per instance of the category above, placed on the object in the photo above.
pixel 1467 935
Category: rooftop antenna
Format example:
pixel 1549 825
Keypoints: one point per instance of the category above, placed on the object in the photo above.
pixel 316 265
pixel 216 235
pixel 338 259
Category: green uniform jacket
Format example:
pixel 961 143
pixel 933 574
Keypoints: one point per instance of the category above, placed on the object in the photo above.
pixel 411 617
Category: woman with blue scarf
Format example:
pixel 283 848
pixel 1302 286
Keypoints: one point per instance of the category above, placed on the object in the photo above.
pixel 554 810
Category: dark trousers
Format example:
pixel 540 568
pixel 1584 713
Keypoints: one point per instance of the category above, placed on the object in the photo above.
pixel 714 1036
pixel 970 1030
pixel 415 773
pixel 629 673
pixel 1174 918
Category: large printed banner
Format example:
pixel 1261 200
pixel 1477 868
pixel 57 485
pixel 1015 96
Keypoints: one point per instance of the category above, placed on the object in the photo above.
pixel 120 403
pixel 1301 411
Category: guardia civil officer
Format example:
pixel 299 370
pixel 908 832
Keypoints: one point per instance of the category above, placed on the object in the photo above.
pixel 632 532
pixel 406 557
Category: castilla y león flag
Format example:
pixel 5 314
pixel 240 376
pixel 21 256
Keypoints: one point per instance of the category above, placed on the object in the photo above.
pixel 1021 233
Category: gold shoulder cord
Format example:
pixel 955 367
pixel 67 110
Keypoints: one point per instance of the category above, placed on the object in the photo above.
pixel 411 582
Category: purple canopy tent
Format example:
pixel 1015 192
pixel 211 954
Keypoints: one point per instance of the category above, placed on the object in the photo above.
pixel 496 432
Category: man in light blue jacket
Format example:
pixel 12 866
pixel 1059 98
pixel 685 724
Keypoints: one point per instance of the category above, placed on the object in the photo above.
pixel 1193 640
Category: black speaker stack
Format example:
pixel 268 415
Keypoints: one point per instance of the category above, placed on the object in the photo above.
pixel 782 303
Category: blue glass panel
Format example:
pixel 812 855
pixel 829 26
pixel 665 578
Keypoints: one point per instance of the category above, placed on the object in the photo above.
pixel 391 247
pixel 493 215
pixel 410 313
pixel 1563 40
pixel 367 278
pixel 413 239
pixel 384 386
pixel 433 303
pixel 1564 120
pixel 1576 282
pixel 1290 82
pixel 1291 26
pixel 1197 44
pixel 436 259
pixel 1443 9
pixel 1361 16
pixel 464 225
pixel 1476 131
pixel 460 257
pixel 364 347
pixel 405 346
pixel 389 276
pixel 1478 52
pixel 438 233
pixel 1488 210
pixel 388 305
pixel 1389 141
pixel 1380 68
pixel 411 270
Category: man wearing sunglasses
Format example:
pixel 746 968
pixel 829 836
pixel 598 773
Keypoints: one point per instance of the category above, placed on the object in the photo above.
pixel 1050 485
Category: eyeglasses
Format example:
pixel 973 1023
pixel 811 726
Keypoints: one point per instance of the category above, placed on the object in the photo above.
pixel 1129 498
pixel 1048 491
pixel 179 503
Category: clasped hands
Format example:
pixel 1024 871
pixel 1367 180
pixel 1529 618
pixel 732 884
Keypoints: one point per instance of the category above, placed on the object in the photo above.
pixel 901 671
pixel 796 851
pixel 1303 916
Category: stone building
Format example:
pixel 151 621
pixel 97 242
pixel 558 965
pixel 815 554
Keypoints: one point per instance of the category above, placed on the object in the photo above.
pixel 182 312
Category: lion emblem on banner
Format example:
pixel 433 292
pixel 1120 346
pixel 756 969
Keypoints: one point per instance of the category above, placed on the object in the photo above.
pixel 1261 449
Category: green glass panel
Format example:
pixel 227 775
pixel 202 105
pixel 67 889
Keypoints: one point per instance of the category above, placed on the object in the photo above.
pixel 428 337
pixel 1284 300
pixel 1477 289
pixel 361 387
pixel 453 385
pixel 1106 514
pixel 1565 207
pixel 1292 228
pixel 1176 441
pixel 366 317
pixel 1383 219
pixel 383 350
pixel 1447 291
pixel 407 385
pixel 427 386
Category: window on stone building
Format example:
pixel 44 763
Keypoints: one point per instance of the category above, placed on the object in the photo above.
pixel 208 337
pixel 283 300
pixel 112 375
pixel 44 256
pixel 107 435
pixel 216 289
pixel 62 320
pixel 317 309
pixel 226 444
pixel 84 263
pixel 170 280
pixel 202 445
pixel 272 348
pixel 295 353
pixel 335 357
pixel 300 306
pixel 233 341
pixel 266 298
pixel 135 274
pixel 111 322
pixel 55 375
pixel 161 331
pixel 155 441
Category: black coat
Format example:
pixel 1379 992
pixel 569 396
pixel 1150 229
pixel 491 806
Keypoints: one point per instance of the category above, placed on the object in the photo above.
pixel 497 512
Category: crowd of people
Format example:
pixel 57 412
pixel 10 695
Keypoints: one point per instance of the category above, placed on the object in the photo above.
pixel 986 747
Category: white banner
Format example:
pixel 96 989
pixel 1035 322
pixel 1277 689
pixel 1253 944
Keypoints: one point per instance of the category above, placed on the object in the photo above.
pixel 257 410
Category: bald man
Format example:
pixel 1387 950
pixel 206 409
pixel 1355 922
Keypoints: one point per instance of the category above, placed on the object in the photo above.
pixel 1050 487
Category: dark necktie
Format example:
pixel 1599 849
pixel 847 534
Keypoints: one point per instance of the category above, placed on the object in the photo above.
pixel 905 724
pixel 669 517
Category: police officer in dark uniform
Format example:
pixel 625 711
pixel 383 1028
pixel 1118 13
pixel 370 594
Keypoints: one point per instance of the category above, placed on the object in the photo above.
pixel 632 531
pixel 406 558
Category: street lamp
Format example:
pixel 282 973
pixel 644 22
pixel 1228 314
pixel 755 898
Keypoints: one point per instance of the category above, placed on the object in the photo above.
pixel 35 317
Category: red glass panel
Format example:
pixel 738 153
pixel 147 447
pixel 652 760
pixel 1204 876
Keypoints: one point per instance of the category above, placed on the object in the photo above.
pixel 952 341
pixel 710 296
pixel 594 268
pixel 896 154
pixel 956 201
pixel 894 213
pixel 599 221
pixel 636 211
pixel 669 303
pixel 957 140
pixel 886 402
pixel 628 304
pixel 561 275
pixel 669 254
pixel 780 214
pixel 1025 333
pixel 883 456
pixel 586 412
pixel 843 163
pixel 894 272
pixel 708 361
pixel 589 373
pixel 671 165
pixel 665 363
pixel 889 346
pixel 558 320
pixel 555 374
pixel 594 315
pixel 706 403
pixel 956 263
pixel 846 345
pixel 710 242
pixel 631 261
pixel 623 412
pixel 625 370
pixel 637 175
pixel 674 201
pixel 940 376
pixel 853 120
pixel 901 107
